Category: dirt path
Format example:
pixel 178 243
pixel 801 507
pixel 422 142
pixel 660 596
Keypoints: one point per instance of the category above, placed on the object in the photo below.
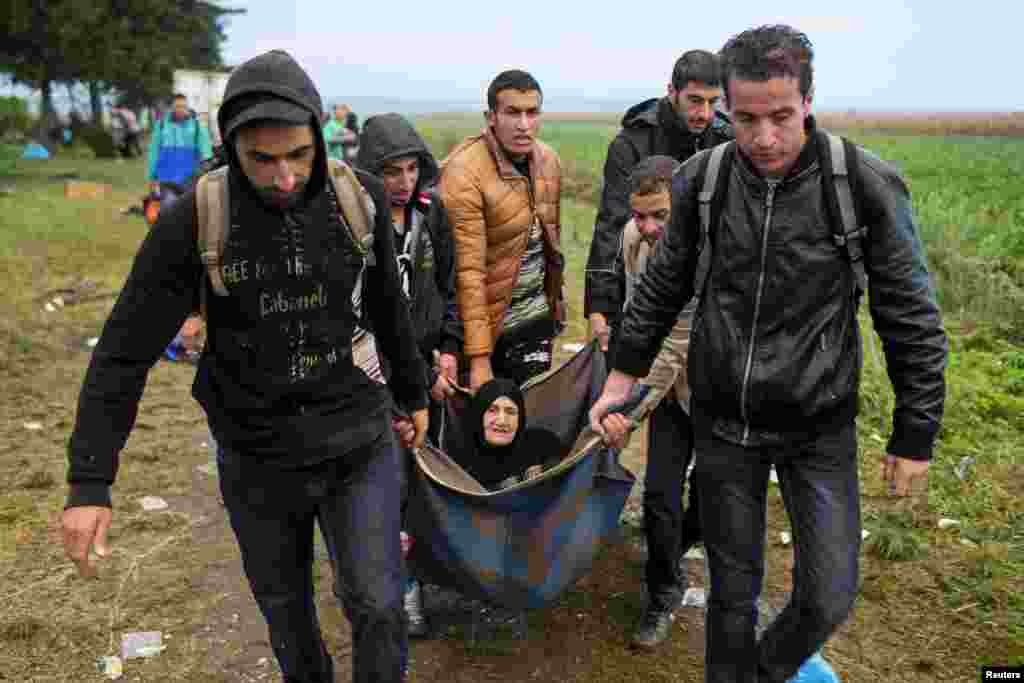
pixel 178 572
pixel 566 642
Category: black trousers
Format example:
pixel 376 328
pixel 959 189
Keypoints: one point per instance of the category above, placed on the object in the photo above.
pixel 669 531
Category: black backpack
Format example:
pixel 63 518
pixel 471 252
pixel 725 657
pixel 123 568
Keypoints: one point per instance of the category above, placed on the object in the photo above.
pixel 842 187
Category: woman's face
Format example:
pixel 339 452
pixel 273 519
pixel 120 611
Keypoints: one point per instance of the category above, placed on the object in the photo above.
pixel 501 422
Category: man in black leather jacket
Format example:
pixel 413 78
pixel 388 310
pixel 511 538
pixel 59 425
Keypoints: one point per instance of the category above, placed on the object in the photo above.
pixel 678 125
pixel 776 354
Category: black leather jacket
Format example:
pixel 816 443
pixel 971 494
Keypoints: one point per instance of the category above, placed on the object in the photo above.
pixel 776 350
pixel 648 128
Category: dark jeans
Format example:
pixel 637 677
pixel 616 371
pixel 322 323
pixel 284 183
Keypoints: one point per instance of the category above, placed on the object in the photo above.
pixel 355 501
pixel 669 534
pixel 820 489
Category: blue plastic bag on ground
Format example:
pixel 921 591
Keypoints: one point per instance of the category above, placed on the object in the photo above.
pixel 34 150
pixel 815 670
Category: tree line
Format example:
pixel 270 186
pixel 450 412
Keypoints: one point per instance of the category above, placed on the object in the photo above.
pixel 127 47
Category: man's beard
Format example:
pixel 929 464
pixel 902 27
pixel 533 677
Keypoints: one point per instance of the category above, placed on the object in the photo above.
pixel 271 196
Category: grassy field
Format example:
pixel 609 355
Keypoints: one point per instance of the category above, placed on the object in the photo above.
pixel 935 603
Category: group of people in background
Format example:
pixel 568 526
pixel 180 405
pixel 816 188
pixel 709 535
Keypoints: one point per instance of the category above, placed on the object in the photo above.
pixel 716 276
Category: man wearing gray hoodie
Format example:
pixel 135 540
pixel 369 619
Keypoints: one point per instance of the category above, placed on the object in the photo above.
pixel 304 435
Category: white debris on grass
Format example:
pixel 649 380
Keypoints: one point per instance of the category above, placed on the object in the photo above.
pixel 773 477
pixel 111 667
pixel 864 533
pixel 961 470
pixel 141 644
pixel 152 503
pixel 694 597
pixel 573 348
pixel 694 554
pixel 946 523
pixel 209 469
pixel 33 426
pixel 785 537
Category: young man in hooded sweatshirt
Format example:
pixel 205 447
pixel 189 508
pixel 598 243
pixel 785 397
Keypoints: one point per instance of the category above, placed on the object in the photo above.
pixel 390 148
pixel 305 436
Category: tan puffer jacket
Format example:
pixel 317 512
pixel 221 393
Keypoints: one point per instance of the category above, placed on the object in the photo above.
pixel 490 208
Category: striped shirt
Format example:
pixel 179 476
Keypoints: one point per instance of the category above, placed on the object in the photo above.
pixel 529 301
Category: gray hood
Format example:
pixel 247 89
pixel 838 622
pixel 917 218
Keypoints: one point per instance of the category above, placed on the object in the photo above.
pixel 391 136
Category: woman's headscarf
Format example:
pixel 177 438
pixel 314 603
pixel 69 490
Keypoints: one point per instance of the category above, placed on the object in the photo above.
pixel 490 464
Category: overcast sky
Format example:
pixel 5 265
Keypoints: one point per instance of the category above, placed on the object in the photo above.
pixel 870 54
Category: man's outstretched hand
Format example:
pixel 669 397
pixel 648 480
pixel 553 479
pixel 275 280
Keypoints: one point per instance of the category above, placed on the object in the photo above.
pixel 902 474
pixel 83 528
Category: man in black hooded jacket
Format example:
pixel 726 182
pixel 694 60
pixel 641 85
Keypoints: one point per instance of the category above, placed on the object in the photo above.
pixel 390 148
pixel 678 125
pixel 304 435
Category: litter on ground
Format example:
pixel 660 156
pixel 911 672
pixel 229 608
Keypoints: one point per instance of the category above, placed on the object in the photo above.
pixel 151 503
pixel 111 667
pixel 141 644
pixel 694 597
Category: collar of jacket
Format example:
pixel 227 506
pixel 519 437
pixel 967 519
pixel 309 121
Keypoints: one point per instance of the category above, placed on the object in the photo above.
pixel 675 130
pixel 506 169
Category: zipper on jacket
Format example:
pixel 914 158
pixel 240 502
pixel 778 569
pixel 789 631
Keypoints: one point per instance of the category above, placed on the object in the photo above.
pixel 769 206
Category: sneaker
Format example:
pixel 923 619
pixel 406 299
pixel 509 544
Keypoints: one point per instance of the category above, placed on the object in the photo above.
pixel 415 617
pixel 655 625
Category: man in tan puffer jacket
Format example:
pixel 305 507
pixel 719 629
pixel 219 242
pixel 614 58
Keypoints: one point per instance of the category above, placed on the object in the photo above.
pixel 502 189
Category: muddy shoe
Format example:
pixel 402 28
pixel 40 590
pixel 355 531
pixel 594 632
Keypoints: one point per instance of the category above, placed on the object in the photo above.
pixel 655 626
pixel 415 617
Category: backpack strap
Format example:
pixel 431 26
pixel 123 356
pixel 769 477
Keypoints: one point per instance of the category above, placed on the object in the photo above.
pixel 716 172
pixel 356 206
pixel 847 233
pixel 213 206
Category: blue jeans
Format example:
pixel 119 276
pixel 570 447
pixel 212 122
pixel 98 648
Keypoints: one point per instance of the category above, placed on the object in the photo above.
pixel 355 500
pixel 669 533
pixel 821 493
